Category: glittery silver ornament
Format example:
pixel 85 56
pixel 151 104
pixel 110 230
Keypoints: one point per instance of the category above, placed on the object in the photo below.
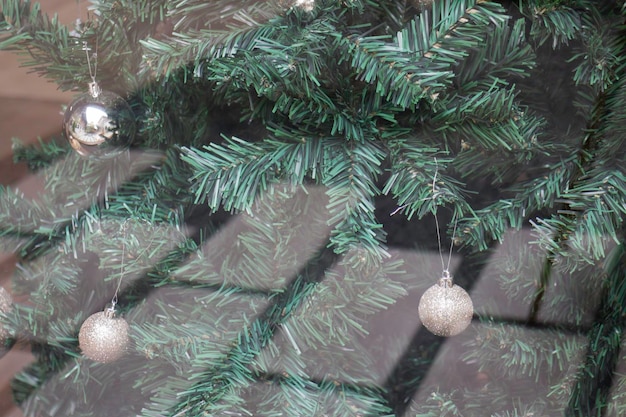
pixel 103 337
pixel 306 5
pixel 445 308
pixel 99 123
pixel 6 304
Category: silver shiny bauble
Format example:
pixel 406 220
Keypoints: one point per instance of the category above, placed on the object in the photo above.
pixel 445 308
pixel 99 124
pixel 104 337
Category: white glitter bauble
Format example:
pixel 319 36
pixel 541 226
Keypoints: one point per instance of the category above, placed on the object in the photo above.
pixel 6 304
pixel 306 5
pixel 104 337
pixel 99 124
pixel 445 308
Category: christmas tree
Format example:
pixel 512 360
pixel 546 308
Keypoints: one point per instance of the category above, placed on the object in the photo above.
pixel 263 190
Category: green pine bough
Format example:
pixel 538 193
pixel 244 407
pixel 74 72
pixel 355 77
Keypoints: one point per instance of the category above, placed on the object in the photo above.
pixel 251 224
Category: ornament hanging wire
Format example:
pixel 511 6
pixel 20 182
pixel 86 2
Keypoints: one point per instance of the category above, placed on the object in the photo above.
pixel 291 339
pixel 94 88
pixel 445 267
pixel 114 300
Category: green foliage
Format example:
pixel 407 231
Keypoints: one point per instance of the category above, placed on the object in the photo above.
pixel 554 19
pixel 418 63
pixel 24 27
pixel 415 183
pixel 40 155
pixel 600 54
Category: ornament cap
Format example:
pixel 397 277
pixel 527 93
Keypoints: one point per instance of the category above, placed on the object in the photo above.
pixel 94 89
pixel 110 312
pixel 446 280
